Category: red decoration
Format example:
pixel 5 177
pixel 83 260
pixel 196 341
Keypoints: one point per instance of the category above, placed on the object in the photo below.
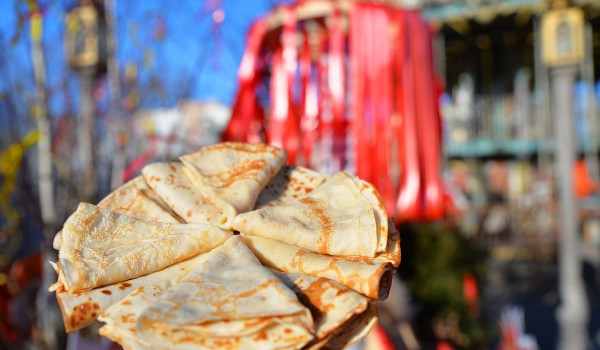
pixel 471 293
pixel 369 92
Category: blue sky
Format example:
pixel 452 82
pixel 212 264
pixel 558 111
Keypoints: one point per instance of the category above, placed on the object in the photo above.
pixel 194 59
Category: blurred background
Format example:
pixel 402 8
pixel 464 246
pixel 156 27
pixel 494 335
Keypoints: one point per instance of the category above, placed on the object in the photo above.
pixel 477 120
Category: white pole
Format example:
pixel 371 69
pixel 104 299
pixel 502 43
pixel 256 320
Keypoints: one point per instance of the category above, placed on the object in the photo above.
pixel 573 312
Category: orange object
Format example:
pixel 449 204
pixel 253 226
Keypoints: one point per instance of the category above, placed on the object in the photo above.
pixel 583 184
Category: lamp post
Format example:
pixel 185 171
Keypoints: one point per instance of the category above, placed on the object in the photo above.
pixel 562 43
pixel 573 312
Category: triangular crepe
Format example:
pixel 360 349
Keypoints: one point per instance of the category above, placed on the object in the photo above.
pixel 228 302
pixel 372 280
pixel 176 189
pixel 290 183
pixel 337 218
pixel 332 305
pixel 136 199
pixel 81 309
pixel 231 175
pixel 101 247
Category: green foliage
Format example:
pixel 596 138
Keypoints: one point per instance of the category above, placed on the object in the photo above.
pixel 434 261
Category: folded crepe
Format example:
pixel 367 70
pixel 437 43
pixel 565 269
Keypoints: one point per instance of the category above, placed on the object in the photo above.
pixel 351 332
pixel 290 183
pixel 372 280
pixel 81 309
pixel 332 305
pixel 392 252
pixel 231 175
pixel 340 217
pixel 176 189
pixel 101 247
pixel 136 199
pixel 227 302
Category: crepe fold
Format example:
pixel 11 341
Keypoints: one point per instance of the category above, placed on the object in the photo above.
pixel 290 184
pixel 351 332
pixel 101 247
pixel 169 181
pixel 231 175
pixel 227 302
pixel 343 216
pixel 81 309
pixel 392 253
pixel 372 280
pixel 136 199
pixel 335 308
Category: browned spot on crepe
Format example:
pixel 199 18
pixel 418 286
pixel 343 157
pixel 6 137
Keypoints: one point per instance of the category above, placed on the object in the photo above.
pixel 81 312
pixel 318 214
pixel 138 291
pixel 243 147
pixel 245 171
pixel 128 318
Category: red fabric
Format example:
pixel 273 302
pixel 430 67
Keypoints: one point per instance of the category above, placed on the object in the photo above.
pixel 357 113
pixel 408 205
pixel 247 117
pixel 427 124
pixel 379 340
pixel 385 86
pixel 337 89
pixel 382 103
pixel 284 125
pixel 309 105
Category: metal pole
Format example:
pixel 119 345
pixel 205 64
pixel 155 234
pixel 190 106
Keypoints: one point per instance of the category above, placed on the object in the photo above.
pixel 573 312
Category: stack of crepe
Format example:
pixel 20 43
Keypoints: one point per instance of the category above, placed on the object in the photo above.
pixel 229 249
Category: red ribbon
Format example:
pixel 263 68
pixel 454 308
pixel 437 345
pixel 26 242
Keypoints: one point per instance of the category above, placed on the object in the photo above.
pixel 357 89
pixel 309 122
pixel 382 103
pixel 247 117
pixel 427 125
pixel 284 126
pixel 336 82
pixel 392 103
pixel 407 205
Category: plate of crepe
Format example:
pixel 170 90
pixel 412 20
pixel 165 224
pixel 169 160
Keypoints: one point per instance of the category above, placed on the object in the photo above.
pixel 231 248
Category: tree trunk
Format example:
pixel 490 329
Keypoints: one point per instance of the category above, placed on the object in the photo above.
pixel 86 137
pixel 51 334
